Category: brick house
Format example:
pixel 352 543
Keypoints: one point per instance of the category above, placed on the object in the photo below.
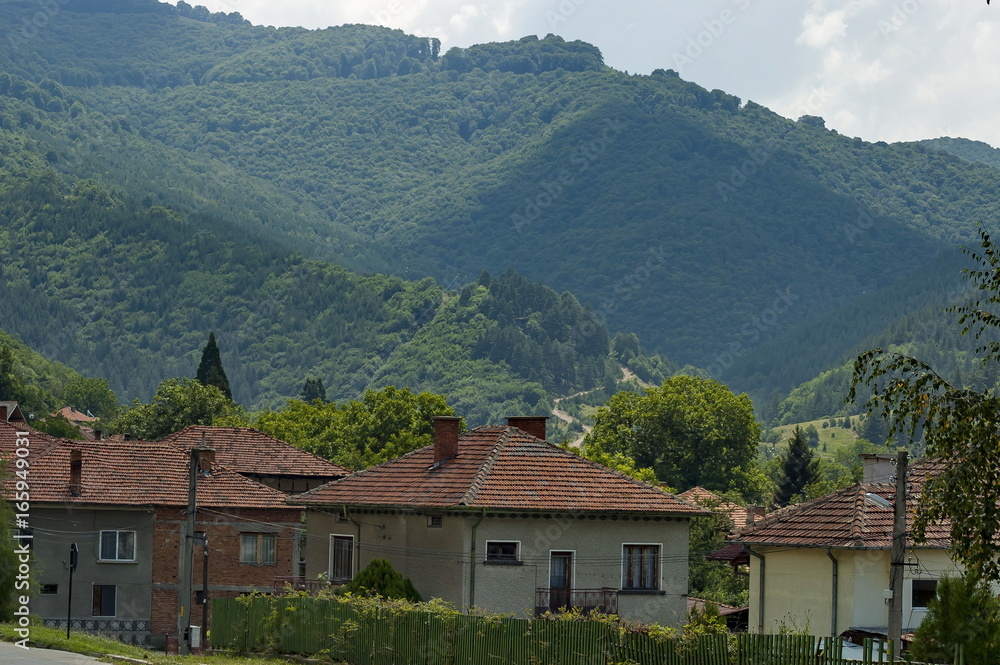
pixel 497 518
pixel 124 504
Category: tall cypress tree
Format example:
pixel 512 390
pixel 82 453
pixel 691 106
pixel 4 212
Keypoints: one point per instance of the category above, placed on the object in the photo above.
pixel 799 469
pixel 210 370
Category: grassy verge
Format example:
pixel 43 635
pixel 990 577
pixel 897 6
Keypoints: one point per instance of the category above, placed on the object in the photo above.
pixel 52 638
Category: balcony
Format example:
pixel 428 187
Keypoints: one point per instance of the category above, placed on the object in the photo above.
pixel 554 600
pixel 283 584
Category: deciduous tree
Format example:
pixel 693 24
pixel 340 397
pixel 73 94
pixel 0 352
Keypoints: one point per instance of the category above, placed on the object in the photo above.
pixel 691 431
pixel 177 404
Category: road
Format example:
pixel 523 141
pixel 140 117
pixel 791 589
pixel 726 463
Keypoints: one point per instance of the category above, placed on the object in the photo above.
pixel 13 655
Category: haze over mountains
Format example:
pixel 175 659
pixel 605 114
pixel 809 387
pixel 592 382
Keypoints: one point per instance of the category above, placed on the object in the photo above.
pixel 168 171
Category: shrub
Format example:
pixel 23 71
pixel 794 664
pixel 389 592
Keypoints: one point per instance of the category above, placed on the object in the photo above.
pixel 963 613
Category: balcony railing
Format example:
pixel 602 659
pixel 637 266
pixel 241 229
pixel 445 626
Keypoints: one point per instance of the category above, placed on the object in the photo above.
pixel 284 584
pixel 554 600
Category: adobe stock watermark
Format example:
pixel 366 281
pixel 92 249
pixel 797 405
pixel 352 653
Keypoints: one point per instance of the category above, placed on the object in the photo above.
pixel 580 159
pixel 865 220
pixel 31 27
pixel 752 331
pixel 563 11
pixel 22 504
pixel 714 28
pixel 740 174
pixel 900 16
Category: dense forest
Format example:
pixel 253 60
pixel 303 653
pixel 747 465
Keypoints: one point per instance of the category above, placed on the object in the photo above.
pixel 325 200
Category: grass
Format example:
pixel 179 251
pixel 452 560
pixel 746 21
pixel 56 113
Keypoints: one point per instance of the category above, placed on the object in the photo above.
pixel 55 638
pixel 833 438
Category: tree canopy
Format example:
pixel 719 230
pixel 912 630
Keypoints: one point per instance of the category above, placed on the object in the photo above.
pixel 380 426
pixel 690 430
pixel 177 404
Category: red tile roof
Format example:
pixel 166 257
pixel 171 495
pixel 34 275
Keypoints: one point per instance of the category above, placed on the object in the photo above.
pixel 131 473
pixel 74 416
pixel 500 468
pixel 252 452
pixel 737 514
pixel 850 517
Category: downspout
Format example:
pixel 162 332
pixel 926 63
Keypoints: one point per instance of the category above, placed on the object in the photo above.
pixel 760 591
pixel 833 609
pixel 472 563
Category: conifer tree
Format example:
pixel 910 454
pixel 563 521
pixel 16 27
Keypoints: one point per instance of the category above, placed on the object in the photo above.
pixel 313 390
pixel 210 370
pixel 799 469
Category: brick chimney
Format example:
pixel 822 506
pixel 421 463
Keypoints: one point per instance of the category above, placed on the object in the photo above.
pixel 533 425
pixel 445 437
pixel 76 472
pixel 3 413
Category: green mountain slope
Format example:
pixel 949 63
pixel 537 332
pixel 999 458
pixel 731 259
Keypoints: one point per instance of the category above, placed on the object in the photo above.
pixel 726 236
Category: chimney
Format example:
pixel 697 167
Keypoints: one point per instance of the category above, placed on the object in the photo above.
pixel 3 413
pixel 877 468
pixel 445 437
pixel 97 434
pixel 76 472
pixel 533 425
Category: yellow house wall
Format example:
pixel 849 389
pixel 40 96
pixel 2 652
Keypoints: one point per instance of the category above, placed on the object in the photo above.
pixel 799 588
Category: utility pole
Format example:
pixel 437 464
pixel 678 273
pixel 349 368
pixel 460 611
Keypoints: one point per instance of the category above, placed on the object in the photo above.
pixel 897 555
pixel 185 566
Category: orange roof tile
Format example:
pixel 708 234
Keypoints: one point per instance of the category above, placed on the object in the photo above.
pixel 850 517
pixel 128 473
pixel 250 451
pixel 500 468
pixel 74 416
pixel 737 514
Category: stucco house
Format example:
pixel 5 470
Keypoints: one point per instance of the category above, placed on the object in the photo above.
pixel 497 518
pixel 124 505
pixel 823 565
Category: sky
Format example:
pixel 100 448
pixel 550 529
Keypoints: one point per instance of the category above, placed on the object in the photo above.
pixel 890 70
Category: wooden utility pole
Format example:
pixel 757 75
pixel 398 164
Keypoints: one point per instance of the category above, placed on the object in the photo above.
pixel 185 566
pixel 897 555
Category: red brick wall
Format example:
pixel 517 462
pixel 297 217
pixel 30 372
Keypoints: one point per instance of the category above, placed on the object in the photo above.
pixel 226 575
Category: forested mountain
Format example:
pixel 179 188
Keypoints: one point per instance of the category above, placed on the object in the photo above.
pixel 164 168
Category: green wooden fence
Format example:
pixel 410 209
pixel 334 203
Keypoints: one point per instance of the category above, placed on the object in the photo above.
pixel 371 635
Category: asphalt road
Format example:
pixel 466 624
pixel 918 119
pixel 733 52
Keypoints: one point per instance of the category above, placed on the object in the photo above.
pixel 12 655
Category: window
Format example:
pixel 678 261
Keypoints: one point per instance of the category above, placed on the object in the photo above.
pixel 498 551
pixel 117 546
pixel 104 600
pixel 640 566
pixel 258 548
pixel 434 521
pixel 49 589
pixel 921 593
pixel 341 559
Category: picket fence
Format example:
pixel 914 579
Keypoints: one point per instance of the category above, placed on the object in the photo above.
pixel 382 636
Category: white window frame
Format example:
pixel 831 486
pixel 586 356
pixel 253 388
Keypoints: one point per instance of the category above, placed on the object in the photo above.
pixel 517 552
pixel 659 567
pixel 259 549
pixel 118 533
pixel 353 563
pixel 572 568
